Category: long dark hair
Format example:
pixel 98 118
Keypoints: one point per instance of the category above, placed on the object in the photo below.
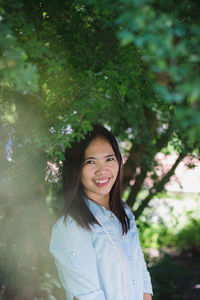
pixel 74 202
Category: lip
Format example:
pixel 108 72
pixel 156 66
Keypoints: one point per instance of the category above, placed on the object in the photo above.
pixel 102 184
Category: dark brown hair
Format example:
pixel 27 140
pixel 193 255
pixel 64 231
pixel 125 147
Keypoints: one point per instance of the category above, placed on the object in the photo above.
pixel 74 202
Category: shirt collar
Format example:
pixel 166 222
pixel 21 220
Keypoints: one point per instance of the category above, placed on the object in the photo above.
pixel 97 209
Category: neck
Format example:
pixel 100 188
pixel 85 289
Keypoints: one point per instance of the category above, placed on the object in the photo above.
pixel 103 201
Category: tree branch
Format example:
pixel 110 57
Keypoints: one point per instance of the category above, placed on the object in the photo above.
pixel 137 187
pixel 158 186
pixel 139 179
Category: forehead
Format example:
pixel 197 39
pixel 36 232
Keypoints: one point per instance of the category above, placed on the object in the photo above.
pixel 99 146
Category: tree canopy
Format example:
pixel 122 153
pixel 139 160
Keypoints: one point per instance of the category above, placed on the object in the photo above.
pixel 131 65
pixel 64 65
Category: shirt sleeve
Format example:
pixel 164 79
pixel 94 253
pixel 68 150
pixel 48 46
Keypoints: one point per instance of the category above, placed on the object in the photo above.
pixel 75 259
pixel 147 286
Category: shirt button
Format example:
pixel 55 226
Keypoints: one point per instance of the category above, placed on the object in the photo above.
pixel 73 253
pixel 134 281
pixel 131 257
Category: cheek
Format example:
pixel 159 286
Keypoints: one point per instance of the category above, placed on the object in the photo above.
pixel 115 169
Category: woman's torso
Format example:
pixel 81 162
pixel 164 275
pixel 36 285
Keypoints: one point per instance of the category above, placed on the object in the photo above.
pixel 102 261
pixel 108 263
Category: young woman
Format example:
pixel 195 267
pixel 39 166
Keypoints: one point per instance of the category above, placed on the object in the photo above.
pixel 95 244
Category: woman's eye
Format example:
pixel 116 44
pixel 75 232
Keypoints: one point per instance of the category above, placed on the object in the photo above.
pixel 110 158
pixel 89 162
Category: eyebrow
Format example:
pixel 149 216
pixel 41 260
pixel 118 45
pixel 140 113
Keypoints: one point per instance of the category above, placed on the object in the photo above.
pixel 91 157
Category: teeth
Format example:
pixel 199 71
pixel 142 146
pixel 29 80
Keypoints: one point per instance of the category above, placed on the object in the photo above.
pixel 102 181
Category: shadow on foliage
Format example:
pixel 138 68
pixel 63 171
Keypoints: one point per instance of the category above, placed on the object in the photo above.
pixel 177 277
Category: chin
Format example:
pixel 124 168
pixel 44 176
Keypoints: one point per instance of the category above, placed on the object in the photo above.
pixel 104 193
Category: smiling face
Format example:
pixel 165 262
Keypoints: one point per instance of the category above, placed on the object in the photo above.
pixel 99 172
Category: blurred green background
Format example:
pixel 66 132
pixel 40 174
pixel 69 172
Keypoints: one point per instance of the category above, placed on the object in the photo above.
pixel 133 66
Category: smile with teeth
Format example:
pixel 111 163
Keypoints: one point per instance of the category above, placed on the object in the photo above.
pixel 101 182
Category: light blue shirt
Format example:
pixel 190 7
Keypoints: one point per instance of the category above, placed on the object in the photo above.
pixel 88 265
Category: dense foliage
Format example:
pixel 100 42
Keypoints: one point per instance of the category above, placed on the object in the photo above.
pixel 130 65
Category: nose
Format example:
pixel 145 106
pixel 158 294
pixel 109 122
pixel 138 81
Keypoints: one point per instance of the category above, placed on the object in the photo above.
pixel 101 168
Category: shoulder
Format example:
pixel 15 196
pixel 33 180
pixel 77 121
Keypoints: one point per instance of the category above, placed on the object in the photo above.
pixel 128 211
pixel 66 233
pixel 63 225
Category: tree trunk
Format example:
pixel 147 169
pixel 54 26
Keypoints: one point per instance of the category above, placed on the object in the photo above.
pixel 158 186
